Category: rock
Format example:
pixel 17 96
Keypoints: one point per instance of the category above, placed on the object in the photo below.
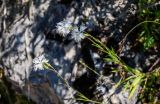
pixel 24 37
pixel 38 93
pixel 114 100
pixel 113 95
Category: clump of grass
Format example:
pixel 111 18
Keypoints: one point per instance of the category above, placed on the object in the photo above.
pixel 131 78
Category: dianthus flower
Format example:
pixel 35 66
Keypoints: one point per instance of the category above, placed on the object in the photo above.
pixel 64 27
pixel 78 33
pixel 38 62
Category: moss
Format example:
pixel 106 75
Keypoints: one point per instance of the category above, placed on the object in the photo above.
pixel 10 96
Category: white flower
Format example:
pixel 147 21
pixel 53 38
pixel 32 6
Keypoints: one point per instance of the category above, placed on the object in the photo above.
pixel 64 27
pixel 38 62
pixel 77 33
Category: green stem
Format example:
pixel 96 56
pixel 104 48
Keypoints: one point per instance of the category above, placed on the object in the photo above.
pixel 49 67
pixel 89 68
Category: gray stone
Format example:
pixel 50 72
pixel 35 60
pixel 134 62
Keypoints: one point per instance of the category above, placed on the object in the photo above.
pixel 23 37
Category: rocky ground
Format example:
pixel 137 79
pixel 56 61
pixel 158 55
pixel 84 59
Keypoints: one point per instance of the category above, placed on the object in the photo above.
pixel 28 29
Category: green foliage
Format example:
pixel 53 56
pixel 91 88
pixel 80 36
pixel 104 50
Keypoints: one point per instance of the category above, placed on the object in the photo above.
pixel 149 41
pixel 149 31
